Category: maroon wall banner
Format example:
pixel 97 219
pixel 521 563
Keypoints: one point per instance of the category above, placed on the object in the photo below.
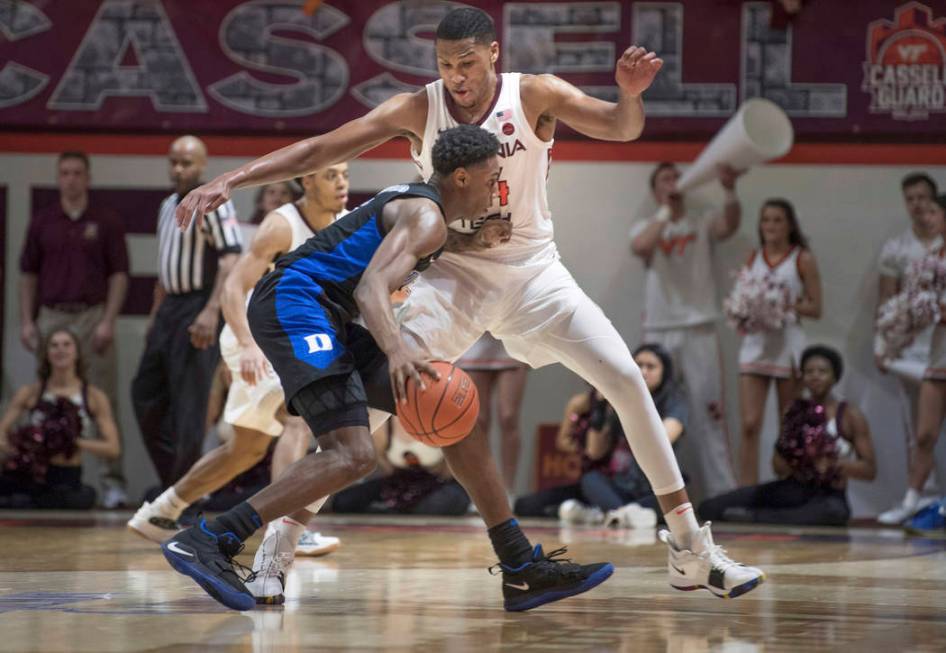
pixel 871 70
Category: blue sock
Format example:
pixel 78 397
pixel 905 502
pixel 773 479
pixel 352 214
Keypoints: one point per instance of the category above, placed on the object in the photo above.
pixel 510 544
pixel 242 520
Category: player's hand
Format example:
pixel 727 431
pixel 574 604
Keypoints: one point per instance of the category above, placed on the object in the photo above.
pixel 103 336
pixel 29 336
pixel 493 233
pixel 203 329
pixel 253 364
pixel 402 365
pixel 881 362
pixel 201 201
pixel 636 69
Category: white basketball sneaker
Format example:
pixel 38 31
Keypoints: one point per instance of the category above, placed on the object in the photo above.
pixel 315 544
pixel 151 523
pixel 273 560
pixel 633 515
pixel 574 512
pixel 711 569
pixel 903 511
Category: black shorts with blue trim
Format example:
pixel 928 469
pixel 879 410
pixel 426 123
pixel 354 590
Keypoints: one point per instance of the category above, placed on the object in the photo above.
pixel 331 369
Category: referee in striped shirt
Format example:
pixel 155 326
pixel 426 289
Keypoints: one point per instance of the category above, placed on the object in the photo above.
pixel 171 388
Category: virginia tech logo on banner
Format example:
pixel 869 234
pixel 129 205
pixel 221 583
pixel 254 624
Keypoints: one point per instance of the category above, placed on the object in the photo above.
pixel 905 71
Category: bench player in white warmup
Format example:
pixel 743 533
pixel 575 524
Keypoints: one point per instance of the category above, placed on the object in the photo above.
pixel 255 403
pixel 519 291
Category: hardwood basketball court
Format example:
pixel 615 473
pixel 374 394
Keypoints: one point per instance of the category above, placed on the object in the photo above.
pixel 83 583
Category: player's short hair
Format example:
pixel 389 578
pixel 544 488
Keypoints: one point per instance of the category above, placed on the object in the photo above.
pixel 829 354
pixel 915 178
pixel 663 165
pixel 76 155
pixel 467 23
pixel 462 146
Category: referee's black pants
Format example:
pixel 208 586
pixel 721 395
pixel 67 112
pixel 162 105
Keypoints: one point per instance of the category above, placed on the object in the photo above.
pixel 172 386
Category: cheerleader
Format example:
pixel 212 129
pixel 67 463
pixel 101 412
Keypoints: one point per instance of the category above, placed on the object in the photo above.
pixel 824 442
pixel 932 403
pixel 765 356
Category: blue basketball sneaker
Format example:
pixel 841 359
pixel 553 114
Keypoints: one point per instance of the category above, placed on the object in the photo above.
pixel 208 559
pixel 548 578
pixel 931 518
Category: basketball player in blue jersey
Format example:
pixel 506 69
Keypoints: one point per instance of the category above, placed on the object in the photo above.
pixel 519 291
pixel 302 317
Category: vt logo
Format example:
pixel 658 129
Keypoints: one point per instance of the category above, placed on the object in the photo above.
pixel 318 342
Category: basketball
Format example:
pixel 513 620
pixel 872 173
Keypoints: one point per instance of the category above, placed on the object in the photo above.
pixel 445 412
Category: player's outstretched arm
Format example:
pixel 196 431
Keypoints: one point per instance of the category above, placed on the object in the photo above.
pixel 417 230
pixel 274 237
pixel 402 115
pixel 610 121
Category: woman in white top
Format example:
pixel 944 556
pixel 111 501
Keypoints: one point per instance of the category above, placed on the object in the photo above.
pixel 765 356
pixel 931 407
pixel 52 478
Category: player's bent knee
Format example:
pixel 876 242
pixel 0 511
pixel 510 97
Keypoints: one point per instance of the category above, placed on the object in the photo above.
pixel 360 458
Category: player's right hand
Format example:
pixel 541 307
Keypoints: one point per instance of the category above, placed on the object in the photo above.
pixel 493 233
pixel 402 365
pixel 253 364
pixel 201 201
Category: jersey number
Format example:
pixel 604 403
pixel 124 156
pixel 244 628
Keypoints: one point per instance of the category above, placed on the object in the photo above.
pixel 503 192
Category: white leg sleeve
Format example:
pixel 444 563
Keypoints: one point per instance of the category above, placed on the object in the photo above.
pixel 587 343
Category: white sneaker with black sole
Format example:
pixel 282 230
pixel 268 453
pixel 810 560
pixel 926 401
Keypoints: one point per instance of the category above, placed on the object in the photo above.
pixel 711 569
pixel 151 524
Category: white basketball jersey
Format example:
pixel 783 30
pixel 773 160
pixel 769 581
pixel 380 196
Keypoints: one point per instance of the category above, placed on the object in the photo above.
pixel 524 159
pixel 785 270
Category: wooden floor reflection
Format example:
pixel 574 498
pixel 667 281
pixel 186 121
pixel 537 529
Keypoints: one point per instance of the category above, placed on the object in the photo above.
pixel 82 583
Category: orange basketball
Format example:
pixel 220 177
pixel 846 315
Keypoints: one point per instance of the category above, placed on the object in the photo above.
pixel 445 412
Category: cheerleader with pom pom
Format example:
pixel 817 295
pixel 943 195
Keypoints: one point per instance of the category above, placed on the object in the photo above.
pixel 779 285
pixel 823 443
pixel 48 425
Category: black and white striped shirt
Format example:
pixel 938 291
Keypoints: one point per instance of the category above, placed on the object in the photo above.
pixel 184 264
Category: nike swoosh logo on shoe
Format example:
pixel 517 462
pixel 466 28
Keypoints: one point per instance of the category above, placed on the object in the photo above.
pixel 678 570
pixel 524 587
pixel 176 549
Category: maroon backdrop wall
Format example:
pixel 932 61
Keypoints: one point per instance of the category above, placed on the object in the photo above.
pixel 867 70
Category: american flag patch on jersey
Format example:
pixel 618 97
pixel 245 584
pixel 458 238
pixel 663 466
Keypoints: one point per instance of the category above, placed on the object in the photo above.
pixel 505 114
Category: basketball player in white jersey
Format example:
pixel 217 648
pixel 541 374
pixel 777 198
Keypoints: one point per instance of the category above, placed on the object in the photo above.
pixel 518 290
pixel 255 406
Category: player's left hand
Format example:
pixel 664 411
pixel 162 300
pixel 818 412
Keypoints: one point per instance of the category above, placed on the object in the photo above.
pixel 636 69
pixel 203 330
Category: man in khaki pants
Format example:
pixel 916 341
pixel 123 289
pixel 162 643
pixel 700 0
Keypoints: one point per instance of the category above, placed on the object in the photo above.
pixel 74 273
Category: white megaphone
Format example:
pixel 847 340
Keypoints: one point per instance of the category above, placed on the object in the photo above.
pixel 758 132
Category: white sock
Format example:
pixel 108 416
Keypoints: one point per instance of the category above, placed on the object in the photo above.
pixel 682 524
pixel 169 504
pixel 911 499
pixel 288 528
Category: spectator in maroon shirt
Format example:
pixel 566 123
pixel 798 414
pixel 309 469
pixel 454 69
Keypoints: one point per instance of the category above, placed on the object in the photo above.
pixel 74 273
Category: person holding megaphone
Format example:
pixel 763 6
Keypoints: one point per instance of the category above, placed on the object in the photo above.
pixel 677 245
